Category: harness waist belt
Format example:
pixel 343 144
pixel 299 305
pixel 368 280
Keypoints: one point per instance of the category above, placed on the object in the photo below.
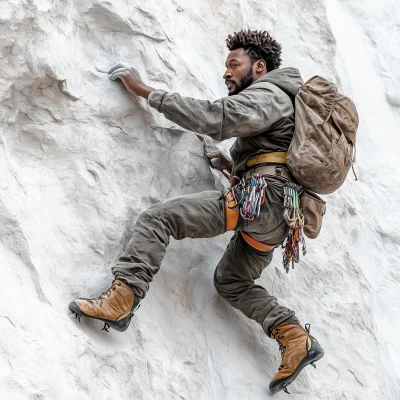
pixel 255 243
pixel 278 157
pixel 274 170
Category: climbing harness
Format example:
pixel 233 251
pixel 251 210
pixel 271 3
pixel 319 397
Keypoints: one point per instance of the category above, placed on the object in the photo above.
pixel 249 195
pixel 232 218
pixel 295 220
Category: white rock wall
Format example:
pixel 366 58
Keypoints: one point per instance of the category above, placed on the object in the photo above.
pixel 80 159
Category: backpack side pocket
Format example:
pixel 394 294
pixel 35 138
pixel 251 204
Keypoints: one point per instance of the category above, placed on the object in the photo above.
pixel 313 209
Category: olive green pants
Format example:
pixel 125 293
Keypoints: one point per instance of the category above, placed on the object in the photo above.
pixel 202 215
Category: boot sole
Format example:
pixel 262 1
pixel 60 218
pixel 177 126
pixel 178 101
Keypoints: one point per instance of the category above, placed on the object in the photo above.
pixel 315 353
pixel 120 326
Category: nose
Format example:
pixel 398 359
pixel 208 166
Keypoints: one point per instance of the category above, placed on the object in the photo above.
pixel 227 74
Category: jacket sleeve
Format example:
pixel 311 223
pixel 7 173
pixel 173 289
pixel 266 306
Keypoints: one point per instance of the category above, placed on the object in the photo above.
pixel 248 113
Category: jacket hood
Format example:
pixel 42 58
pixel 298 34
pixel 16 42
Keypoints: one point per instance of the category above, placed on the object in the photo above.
pixel 287 79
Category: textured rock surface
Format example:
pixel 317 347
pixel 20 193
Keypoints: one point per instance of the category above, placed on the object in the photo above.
pixel 80 159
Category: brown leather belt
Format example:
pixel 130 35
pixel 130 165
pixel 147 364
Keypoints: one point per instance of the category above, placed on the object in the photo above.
pixel 274 170
pixel 276 157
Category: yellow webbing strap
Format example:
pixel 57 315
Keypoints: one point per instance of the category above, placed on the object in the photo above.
pixel 278 157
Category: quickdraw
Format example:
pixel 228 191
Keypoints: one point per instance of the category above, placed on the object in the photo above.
pixel 250 195
pixel 295 219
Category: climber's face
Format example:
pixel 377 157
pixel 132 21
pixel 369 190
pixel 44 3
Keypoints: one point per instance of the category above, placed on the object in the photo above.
pixel 241 72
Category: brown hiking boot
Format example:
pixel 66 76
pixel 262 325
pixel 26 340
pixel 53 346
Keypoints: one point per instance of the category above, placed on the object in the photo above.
pixel 298 349
pixel 114 307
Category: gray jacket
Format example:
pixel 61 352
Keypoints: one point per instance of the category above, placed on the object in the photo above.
pixel 261 116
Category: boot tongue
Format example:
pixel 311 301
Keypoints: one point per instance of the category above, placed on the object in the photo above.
pixel 279 328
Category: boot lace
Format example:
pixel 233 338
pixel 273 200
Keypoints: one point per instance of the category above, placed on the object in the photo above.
pixel 99 300
pixel 282 348
pixel 308 329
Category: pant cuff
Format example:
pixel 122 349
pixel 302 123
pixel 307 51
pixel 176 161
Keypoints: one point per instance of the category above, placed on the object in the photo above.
pixel 290 319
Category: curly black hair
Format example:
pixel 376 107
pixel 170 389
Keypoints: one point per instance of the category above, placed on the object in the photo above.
pixel 259 45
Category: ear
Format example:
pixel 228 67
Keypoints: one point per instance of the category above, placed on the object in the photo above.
pixel 261 66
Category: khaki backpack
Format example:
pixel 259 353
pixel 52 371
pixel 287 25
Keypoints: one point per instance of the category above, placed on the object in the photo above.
pixel 321 152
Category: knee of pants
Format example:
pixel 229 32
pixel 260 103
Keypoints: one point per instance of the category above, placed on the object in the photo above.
pixel 217 283
pixel 229 287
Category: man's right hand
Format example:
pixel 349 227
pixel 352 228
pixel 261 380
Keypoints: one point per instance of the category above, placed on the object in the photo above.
pixel 221 161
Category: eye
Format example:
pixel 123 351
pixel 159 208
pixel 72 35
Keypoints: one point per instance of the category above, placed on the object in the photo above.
pixel 234 65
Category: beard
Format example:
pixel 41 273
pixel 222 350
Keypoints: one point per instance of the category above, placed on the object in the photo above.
pixel 244 83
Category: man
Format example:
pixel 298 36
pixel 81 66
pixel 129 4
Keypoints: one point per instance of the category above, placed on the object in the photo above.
pixel 259 112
